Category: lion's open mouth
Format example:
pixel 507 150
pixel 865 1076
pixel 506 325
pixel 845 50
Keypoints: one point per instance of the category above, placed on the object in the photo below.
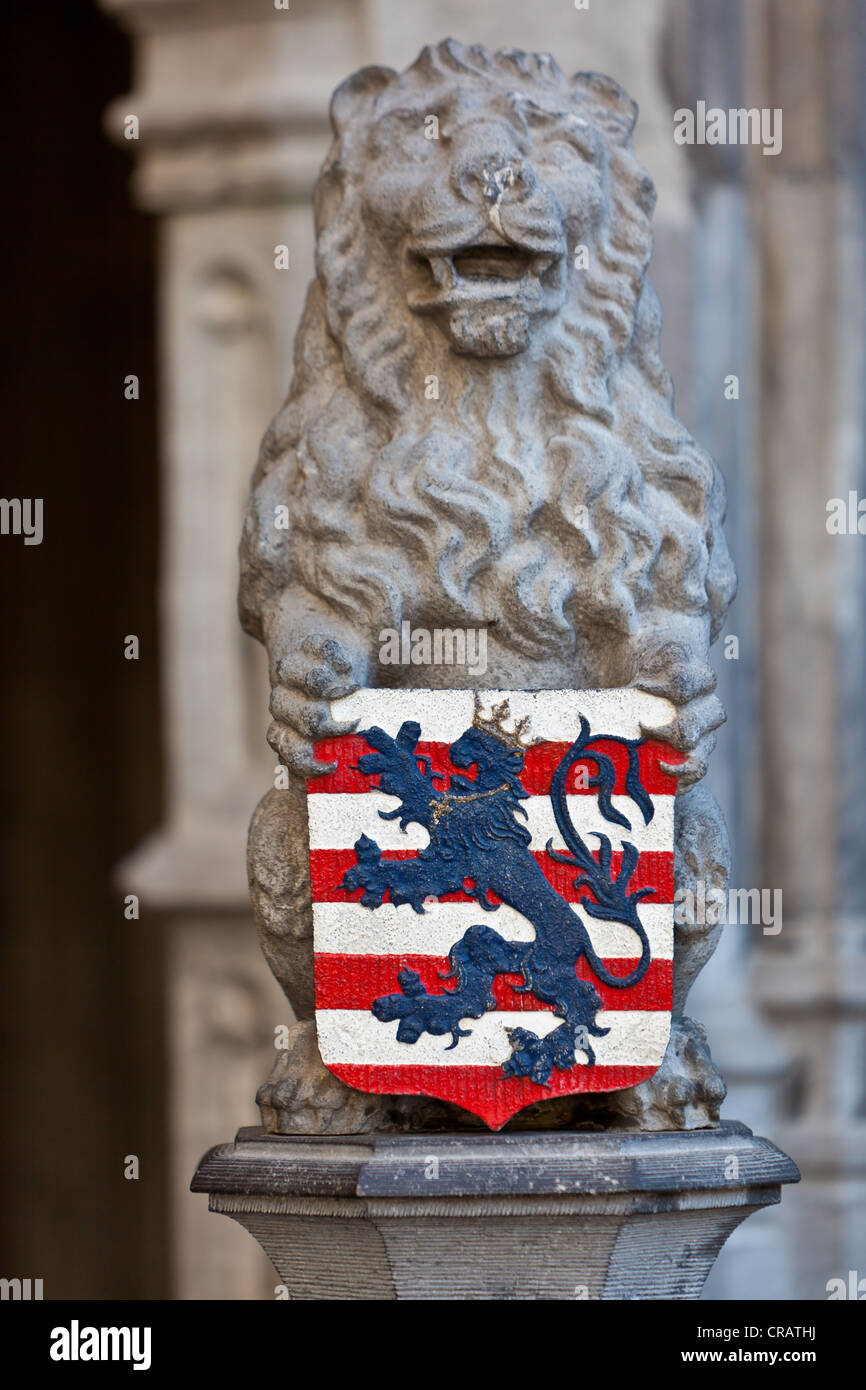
pixel 478 272
pixel 491 263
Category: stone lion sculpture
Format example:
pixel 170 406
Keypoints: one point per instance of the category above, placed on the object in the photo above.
pixel 480 433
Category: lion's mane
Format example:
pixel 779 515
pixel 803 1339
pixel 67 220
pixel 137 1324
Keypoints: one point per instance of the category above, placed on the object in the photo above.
pixel 549 491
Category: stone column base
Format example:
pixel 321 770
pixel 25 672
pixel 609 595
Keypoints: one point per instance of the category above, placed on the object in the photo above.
pixel 494 1216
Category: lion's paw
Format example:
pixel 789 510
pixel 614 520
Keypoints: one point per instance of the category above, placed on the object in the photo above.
pixel 687 1090
pixel 302 1097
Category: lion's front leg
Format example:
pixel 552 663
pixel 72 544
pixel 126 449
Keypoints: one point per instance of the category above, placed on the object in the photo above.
pixel 402 880
pixel 675 665
pixel 314 658
pixel 692 732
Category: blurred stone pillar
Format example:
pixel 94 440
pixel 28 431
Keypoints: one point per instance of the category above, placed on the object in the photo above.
pixel 810 210
pixel 705 58
pixel 779 296
pixel 231 102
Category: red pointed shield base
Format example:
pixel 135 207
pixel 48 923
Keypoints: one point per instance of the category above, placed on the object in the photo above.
pixel 382 950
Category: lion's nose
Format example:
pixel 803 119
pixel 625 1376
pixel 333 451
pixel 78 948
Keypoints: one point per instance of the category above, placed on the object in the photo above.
pixel 495 175
pixel 497 178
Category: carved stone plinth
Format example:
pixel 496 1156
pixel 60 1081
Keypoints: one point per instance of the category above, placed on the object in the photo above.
pixel 504 1216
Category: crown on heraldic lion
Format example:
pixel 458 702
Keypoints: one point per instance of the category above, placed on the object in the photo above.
pixel 518 738
pixel 480 431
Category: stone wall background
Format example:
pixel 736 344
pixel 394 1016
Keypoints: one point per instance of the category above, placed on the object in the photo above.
pixel 82 1026
pixel 759 265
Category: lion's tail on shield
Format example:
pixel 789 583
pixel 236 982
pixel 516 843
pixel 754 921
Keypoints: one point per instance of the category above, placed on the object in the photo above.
pixel 611 901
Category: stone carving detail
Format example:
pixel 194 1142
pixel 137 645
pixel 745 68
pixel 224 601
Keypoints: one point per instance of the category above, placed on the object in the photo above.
pixel 480 434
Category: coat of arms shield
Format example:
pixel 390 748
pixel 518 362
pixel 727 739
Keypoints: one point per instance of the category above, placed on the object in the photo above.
pixel 492 885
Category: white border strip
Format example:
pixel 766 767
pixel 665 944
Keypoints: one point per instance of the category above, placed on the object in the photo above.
pixel 338 819
pixel 351 929
pixel 554 714
pixel 636 1038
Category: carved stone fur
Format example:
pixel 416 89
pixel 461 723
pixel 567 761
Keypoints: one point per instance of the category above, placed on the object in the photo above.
pixel 480 433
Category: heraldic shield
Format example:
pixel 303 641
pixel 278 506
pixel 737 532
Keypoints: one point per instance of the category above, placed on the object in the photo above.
pixel 492 883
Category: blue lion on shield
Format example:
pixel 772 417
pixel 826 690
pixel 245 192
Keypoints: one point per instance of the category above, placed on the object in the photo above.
pixel 480 845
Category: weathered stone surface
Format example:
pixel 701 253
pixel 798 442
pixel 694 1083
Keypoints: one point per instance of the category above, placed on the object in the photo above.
pixel 480 434
pixel 579 1216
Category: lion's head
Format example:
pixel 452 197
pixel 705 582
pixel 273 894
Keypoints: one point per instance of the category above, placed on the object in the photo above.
pixel 466 187
pixel 480 417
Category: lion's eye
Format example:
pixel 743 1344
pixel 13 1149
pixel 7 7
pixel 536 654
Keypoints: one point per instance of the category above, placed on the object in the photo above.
pixel 410 131
pixel 564 152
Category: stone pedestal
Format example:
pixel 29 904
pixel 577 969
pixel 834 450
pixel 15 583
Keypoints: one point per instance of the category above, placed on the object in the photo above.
pixel 494 1216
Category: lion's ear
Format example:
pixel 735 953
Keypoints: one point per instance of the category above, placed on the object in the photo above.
pixel 351 93
pixel 618 109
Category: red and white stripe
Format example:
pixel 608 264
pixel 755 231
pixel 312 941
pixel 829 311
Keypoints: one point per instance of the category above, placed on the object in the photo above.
pixel 359 951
